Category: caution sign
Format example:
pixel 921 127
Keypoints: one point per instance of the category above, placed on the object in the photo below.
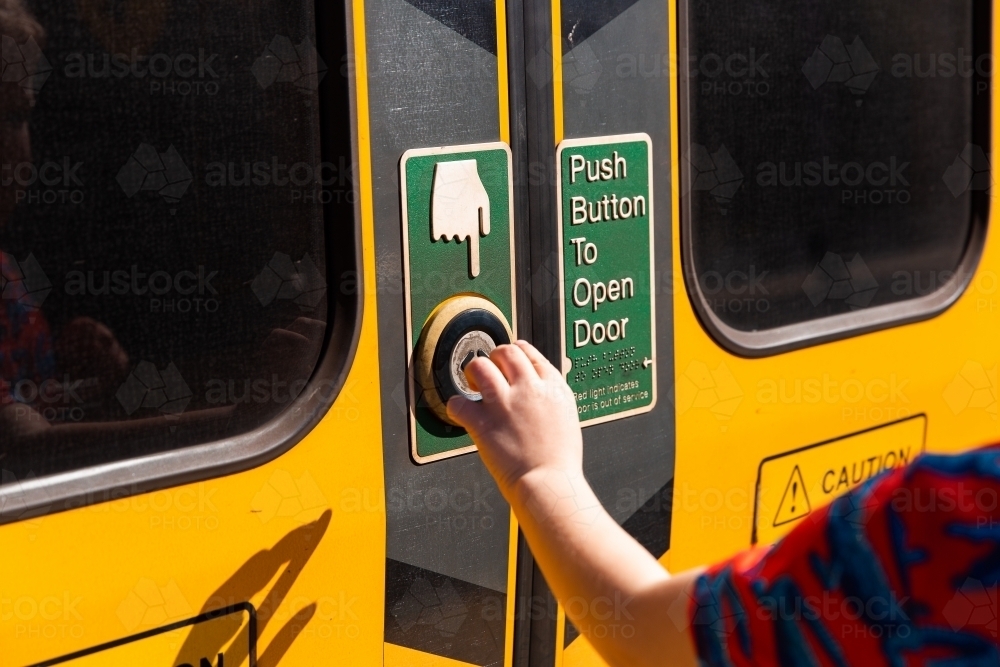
pixel 791 486
pixel 605 203
pixel 223 638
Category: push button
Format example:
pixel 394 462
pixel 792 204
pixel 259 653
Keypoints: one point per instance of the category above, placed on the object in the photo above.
pixel 459 330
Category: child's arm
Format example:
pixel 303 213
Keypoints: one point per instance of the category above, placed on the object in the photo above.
pixel 529 437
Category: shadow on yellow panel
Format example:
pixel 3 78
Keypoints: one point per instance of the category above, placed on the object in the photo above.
pixel 278 566
pixel 220 635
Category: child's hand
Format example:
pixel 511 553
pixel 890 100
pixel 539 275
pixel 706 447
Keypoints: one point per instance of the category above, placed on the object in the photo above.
pixel 529 437
pixel 527 419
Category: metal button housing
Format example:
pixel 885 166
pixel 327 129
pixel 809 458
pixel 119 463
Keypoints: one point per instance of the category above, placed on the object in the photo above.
pixel 460 329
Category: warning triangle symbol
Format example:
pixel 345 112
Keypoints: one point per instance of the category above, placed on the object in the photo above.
pixel 795 502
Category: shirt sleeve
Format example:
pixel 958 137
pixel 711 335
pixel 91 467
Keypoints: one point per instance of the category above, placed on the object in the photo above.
pixel 904 570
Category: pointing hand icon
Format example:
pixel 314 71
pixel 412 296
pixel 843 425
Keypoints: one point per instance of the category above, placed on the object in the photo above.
pixel 460 207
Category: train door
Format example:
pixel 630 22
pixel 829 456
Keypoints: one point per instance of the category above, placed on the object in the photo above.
pixel 828 230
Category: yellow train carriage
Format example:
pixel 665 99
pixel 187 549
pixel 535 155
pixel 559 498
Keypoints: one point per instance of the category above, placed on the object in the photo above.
pixel 248 250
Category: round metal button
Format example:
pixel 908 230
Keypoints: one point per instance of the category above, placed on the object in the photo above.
pixel 475 331
pixel 471 345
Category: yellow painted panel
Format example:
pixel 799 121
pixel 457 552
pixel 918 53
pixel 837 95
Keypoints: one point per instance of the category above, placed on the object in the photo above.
pixel 560 636
pixel 581 654
pixel 400 656
pixel 791 486
pixel 503 79
pixel 734 412
pixel 557 72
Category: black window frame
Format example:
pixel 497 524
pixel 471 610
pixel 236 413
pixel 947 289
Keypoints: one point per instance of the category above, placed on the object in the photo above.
pixel 33 497
pixel 779 340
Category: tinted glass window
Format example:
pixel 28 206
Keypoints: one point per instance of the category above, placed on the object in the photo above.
pixel 162 215
pixel 834 153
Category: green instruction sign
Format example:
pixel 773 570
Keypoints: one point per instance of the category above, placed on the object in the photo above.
pixel 606 275
pixel 458 232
